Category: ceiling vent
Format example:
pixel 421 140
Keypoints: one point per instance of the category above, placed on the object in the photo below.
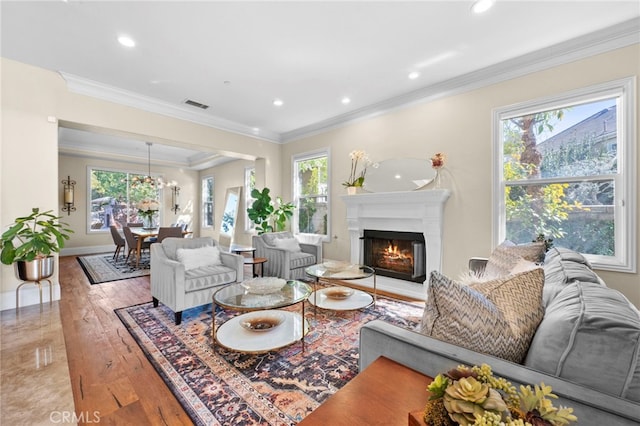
pixel 196 104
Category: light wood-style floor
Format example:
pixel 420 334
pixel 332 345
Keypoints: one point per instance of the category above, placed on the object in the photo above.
pixel 110 376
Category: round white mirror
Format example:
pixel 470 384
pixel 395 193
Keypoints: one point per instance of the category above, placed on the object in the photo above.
pixel 399 174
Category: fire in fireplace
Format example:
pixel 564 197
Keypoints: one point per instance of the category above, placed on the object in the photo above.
pixel 396 254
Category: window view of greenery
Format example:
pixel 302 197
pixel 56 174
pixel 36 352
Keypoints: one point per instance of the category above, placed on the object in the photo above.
pixel 311 195
pixel 113 201
pixel 559 170
pixel 207 202
pixel 249 185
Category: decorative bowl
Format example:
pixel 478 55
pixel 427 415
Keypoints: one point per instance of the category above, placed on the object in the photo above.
pixel 263 285
pixel 335 265
pixel 262 320
pixel 338 292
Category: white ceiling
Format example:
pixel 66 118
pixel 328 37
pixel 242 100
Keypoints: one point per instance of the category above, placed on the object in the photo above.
pixel 237 57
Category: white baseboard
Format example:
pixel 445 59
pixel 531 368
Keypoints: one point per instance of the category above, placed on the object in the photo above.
pixel 29 295
pixel 79 251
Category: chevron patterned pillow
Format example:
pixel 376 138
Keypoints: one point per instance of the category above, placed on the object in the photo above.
pixel 498 317
pixel 505 257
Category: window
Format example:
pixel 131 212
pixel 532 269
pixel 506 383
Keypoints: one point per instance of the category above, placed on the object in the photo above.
pixel 310 189
pixel 207 202
pixel 113 201
pixel 249 185
pixel 566 170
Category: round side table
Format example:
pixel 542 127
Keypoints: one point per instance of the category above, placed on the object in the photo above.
pixel 255 261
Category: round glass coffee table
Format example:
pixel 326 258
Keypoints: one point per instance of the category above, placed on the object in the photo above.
pixel 262 327
pixel 341 298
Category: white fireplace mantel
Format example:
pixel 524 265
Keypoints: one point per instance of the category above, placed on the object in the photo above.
pixel 404 211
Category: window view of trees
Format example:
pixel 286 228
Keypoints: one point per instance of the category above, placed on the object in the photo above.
pixel 113 201
pixel 559 173
pixel 207 202
pixel 311 188
pixel 249 185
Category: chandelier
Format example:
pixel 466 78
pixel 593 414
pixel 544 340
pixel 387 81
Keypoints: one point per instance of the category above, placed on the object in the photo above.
pixel 138 181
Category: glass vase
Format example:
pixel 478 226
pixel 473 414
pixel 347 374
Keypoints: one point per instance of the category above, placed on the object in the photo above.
pixel 436 180
pixel 149 221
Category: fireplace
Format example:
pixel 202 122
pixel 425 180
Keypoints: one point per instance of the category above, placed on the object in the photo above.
pixel 420 212
pixel 396 254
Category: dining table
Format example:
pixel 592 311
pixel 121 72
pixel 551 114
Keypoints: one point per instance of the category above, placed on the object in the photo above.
pixel 142 234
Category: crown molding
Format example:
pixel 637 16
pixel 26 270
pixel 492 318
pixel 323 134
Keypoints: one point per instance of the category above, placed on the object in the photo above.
pixel 615 37
pixel 83 86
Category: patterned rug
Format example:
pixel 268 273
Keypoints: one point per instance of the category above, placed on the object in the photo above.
pixel 102 268
pixel 222 387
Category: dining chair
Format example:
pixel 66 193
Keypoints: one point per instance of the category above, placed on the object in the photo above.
pixel 169 231
pixel 118 240
pixel 132 243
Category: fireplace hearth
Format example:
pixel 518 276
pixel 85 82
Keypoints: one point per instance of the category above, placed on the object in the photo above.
pixel 395 254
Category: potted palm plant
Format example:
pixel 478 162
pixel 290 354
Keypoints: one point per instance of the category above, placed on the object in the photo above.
pixel 29 243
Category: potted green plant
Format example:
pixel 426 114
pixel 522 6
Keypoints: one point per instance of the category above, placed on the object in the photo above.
pixel 267 215
pixel 30 242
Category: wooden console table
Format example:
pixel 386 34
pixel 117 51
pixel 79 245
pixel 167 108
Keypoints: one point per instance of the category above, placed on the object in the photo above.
pixel 382 394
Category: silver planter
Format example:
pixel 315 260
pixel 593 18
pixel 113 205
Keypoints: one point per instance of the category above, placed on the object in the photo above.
pixel 35 270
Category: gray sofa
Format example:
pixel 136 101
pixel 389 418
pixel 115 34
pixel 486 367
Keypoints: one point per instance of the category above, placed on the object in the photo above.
pixel 587 346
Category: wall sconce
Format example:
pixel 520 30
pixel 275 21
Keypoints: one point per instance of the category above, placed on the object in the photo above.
pixel 69 195
pixel 175 204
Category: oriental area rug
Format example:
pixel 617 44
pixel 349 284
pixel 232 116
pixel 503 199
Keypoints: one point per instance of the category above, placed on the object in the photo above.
pixel 102 268
pixel 281 387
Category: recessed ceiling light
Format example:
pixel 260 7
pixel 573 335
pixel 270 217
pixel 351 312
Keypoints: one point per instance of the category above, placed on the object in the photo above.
pixel 480 6
pixel 126 41
pixel 345 100
pixel 413 75
pixel 278 102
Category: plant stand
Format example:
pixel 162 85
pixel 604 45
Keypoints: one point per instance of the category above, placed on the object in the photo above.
pixel 34 271
pixel 39 284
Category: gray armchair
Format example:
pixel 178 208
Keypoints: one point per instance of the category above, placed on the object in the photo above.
pixel 180 288
pixel 284 260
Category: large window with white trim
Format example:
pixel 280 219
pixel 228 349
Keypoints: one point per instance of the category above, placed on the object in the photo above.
pixel 565 170
pixel 311 194
pixel 207 196
pixel 249 185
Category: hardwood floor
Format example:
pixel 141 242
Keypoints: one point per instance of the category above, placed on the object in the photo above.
pixel 110 376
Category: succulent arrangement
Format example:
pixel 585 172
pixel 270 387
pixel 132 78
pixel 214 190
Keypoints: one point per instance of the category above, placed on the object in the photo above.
pixel 475 397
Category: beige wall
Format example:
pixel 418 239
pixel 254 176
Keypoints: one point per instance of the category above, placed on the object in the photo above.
pixel 77 168
pixel 459 126
pixel 29 175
